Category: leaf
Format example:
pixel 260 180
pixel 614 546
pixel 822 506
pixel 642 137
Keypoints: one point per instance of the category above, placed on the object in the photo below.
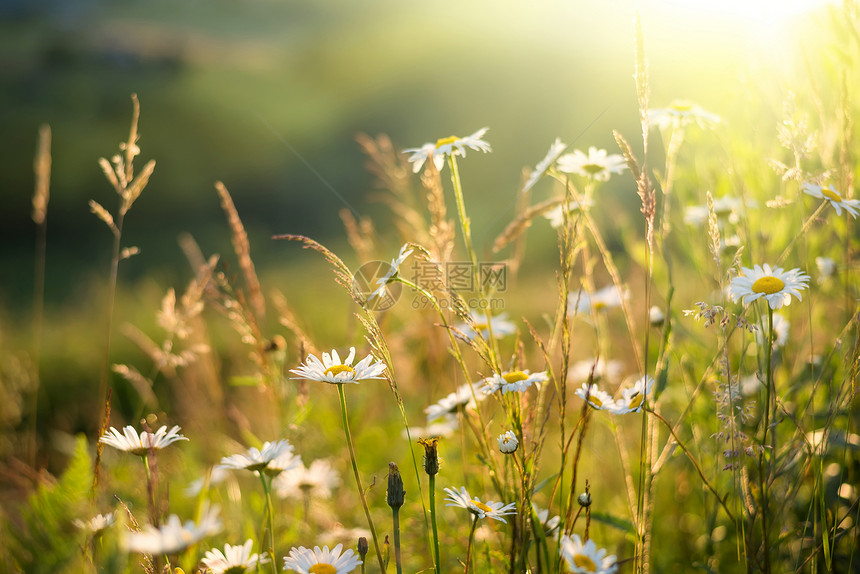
pixel 620 523
pixel 46 541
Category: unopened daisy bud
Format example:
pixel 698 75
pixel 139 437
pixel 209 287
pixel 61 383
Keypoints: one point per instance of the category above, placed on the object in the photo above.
pixel 431 456
pixel 508 442
pixel 396 494
pixel 584 499
pixel 362 547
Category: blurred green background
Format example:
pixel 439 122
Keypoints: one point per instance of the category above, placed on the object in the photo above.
pixel 268 96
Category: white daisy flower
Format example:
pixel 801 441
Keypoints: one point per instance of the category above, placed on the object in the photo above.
pixel 774 284
pixel 321 561
pixel 273 458
pixel 633 398
pixel 556 214
pixel 586 558
pixel 494 510
pixel 781 327
pixel 826 268
pixel 129 441
pixel 446 427
pixel 597 165
pixel 332 370
pixel 317 481
pixel 452 145
pixel 727 208
pixel 550 525
pixel 582 302
pixel 512 381
pixel 508 442
pixel 830 194
pixel 681 113
pixel 501 326
pixel 173 536
pixel 604 370
pixel 463 397
pixel 234 559
pixel 600 400
pixel 392 271
pixel 97 524
pixel 538 172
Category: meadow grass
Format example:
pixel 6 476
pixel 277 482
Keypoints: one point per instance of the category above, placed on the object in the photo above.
pixel 678 390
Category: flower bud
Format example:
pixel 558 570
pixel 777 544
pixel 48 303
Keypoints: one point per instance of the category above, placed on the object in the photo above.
pixel 508 442
pixel 362 547
pixel 396 494
pixel 584 499
pixel 431 456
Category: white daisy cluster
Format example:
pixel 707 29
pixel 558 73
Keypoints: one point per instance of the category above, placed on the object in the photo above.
pixel 141 444
pixel 512 381
pixel 632 399
pixel 466 396
pixel 508 442
pixel 393 269
pixel 173 536
pixel 829 193
pixel 321 560
pixel 272 459
pixel 316 480
pixel 680 114
pixel 773 284
pixel 499 324
pixel 543 165
pixel 586 558
pixel 597 164
pixel 450 146
pixel 97 524
pixel 582 302
pixel 332 370
pixel 494 510
pixel 234 559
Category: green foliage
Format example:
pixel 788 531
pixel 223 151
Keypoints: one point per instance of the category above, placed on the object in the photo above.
pixel 45 540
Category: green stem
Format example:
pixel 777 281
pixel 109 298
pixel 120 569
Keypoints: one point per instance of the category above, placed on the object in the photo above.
pixel 770 396
pixel 465 224
pixel 271 521
pixel 471 540
pixel 348 436
pixel 433 522
pixel 396 525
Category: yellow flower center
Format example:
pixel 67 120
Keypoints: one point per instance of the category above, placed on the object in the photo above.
pixel 482 506
pixel 593 168
pixel 320 568
pixel 446 141
pixel 583 561
pixel 768 285
pixel 595 401
pixel 335 370
pixel 831 195
pixel 481 326
pixel 600 305
pixel 678 107
pixel 636 400
pixel 515 377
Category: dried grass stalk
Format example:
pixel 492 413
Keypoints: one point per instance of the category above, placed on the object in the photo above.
pixel 42 168
pixel 243 251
